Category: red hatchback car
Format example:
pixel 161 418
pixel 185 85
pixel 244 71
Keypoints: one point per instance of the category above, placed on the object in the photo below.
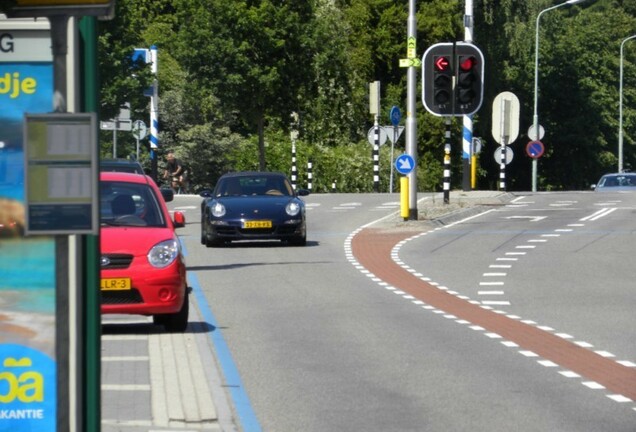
pixel 142 265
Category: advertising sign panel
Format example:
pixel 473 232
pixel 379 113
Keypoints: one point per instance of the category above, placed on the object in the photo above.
pixel 27 264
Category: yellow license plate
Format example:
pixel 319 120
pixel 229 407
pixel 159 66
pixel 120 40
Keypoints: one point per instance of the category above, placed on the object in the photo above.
pixel 115 284
pixel 257 224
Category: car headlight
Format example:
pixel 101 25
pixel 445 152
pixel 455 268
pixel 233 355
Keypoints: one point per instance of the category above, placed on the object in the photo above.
pixel 218 209
pixel 163 254
pixel 293 208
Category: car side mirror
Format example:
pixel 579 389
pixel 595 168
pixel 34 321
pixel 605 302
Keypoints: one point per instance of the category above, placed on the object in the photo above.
pixel 206 193
pixel 178 219
pixel 303 192
pixel 167 194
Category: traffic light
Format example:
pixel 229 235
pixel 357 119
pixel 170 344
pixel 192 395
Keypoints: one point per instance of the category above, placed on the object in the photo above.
pixel 470 84
pixel 452 79
pixel 442 83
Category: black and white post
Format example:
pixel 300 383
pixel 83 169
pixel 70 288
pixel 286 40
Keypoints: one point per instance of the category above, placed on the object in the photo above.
pixel 502 167
pixel 309 175
pixel 447 161
pixel 376 156
pixel 374 109
pixel 294 137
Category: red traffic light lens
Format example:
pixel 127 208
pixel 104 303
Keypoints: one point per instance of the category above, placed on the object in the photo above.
pixel 442 64
pixel 467 63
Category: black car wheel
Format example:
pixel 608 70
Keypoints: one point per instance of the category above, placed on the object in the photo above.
pixel 177 322
pixel 203 235
pixel 300 240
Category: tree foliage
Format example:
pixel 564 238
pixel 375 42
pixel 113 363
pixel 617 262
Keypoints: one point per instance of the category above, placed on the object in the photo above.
pixel 231 73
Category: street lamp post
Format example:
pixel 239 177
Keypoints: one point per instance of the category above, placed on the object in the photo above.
pixel 620 109
pixel 535 117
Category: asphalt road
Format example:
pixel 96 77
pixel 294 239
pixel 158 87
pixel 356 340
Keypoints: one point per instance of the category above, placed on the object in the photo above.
pixel 322 342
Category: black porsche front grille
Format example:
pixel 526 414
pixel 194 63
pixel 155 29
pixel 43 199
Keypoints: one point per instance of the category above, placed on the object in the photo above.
pixel 116 261
pixel 121 297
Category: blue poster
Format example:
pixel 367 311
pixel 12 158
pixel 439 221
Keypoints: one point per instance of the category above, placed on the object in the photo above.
pixel 27 265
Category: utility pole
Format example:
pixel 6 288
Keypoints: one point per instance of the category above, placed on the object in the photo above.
pixel 411 114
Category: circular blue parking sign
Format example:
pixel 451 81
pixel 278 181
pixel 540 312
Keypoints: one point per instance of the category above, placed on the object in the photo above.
pixel 395 115
pixel 404 164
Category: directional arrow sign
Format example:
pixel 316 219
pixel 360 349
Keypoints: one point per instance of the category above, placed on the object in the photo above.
pixel 441 63
pixel 410 62
pixel 404 164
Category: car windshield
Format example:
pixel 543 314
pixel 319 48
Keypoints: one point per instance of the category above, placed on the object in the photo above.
pixel 256 185
pixel 121 166
pixel 129 204
pixel 619 180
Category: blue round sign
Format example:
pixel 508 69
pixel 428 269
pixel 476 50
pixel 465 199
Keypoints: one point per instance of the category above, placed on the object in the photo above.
pixel 404 164
pixel 535 149
pixel 395 115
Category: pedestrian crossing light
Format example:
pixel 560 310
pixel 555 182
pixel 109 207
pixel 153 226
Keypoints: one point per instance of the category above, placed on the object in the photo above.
pixel 452 79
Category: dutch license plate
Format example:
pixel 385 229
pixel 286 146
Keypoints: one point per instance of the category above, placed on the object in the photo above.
pixel 257 224
pixel 115 284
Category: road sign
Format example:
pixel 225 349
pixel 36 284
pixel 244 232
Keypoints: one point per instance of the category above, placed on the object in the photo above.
pixel 535 149
pixel 382 136
pixel 532 134
pixel 395 115
pixel 509 155
pixel 505 117
pixel 410 62
pixel 404 164
pixel 393 133
pixel 116 124
pixel 139 129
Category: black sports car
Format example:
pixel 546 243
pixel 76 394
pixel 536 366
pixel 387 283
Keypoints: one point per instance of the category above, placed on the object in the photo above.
pixel 253 206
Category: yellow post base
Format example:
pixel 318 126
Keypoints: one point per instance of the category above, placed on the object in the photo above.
pixel 404 197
